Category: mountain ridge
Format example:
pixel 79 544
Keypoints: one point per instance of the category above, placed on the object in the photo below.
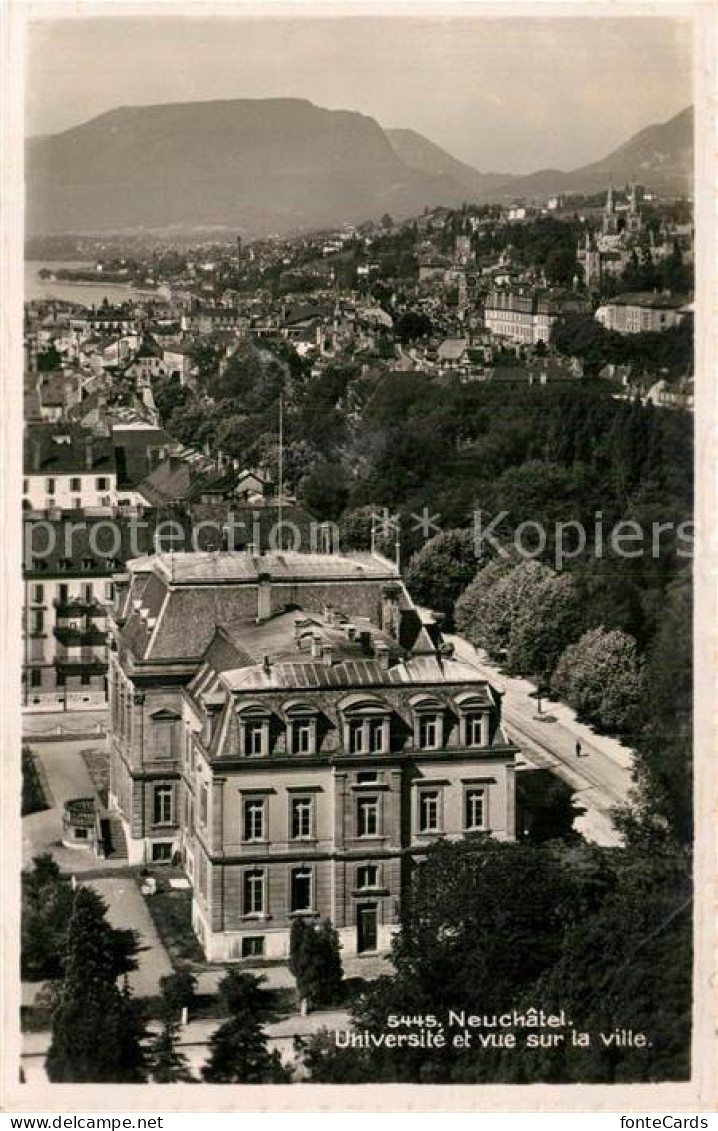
pixel 275 166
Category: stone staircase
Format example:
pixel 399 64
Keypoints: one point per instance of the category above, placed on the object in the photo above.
pixel 115 841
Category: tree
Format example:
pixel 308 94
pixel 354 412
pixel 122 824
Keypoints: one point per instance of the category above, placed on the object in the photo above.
pixel 47 901
pixel 178 992
pixel 167 1064
pixel 412 325
pixel 600 678
pixel 315 961
pixel 601 934
pixel 438 573
pixel 664 743
pixel 523 613
pixel 543 625
pixel 238 1048
pixel 96 1028
pixel 323 490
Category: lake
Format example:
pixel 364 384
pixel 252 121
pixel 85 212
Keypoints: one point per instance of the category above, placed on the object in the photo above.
pixel 89 294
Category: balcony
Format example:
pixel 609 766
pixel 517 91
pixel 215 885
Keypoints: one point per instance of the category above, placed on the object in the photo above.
pixel 77 607
pixel 79 637
pixel 93 666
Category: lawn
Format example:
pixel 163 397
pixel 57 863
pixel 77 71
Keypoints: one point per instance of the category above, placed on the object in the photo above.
pixel 97 761
pixel 171 913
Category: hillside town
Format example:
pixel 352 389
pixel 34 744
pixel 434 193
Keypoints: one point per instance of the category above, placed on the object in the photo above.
pixel 268 672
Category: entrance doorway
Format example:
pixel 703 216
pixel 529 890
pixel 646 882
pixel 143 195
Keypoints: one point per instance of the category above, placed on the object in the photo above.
pixel 366 927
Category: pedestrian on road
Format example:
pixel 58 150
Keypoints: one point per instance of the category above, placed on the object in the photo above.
pixel 578 749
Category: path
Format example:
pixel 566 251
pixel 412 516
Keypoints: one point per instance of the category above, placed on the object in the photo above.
pixel 601 776
pixel 126 908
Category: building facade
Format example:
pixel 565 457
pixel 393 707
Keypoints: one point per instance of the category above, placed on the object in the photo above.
pixel 641 312
pixel 291 729
pixel 67 468
pixel 519 316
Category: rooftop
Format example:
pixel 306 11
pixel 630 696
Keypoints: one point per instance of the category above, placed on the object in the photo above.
pixel 212 567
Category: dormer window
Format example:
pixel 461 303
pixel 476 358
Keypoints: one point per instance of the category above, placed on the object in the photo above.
pixel 428 722
pixel 429 730
pixel 301 728
pixel 474 719
pixel 366 725
pixel 253 731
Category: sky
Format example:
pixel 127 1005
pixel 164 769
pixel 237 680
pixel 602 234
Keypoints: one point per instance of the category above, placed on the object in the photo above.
pixel 503 94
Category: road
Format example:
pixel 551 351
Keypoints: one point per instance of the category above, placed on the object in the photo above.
pixel 194 1040
pixel 600 777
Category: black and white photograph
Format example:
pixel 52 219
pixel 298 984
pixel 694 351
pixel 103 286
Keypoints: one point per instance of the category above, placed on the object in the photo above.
pixel 361 378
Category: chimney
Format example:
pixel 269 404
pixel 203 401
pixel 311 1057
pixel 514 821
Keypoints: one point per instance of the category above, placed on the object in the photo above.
pixel 328 654
pixel 89 454
pixel 316 647
pixel 264 597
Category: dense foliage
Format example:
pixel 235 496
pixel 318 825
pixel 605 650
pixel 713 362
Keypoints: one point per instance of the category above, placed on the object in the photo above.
pixel 97 1030
pixel 315 961
pixel 238 1048
pixel 491 927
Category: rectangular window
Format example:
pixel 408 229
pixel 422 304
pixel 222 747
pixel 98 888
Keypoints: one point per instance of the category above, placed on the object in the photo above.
pixel 429 811
pixel 37 622
pixel 356 736
pixel 254 886
pixel 163 798
pixel 50 486
pixel 376 736
pixel 475 809
pixel 38 594
pixel 474 730
pixel 253 739
pixel 62 593
pixel 367 816
pixel 253 947
pixel 367 876
pixel 368 777
pixel 203 804
pixel 254 819
pixel 301 818
pixel 302 737
pixel 36 677
pixel 162 852
pixel 165 735
pixel 301 889
pixel 75 484
pixel 109 591
pixel 101 484
pixel 428 732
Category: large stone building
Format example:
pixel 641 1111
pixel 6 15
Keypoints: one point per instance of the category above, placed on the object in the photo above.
pixel 519 315
pixel 641 312
pixel 296 733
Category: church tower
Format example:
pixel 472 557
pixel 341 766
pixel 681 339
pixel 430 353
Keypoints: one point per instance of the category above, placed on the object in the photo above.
pixel 610 219
pixel 633 216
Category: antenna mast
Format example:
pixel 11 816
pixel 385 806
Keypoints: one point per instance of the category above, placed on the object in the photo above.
pixel 280 484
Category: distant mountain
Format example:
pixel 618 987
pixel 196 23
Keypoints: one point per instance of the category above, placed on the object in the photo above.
pixel 659 157
pixel 261 166
pixel 257 166
pixel 419 153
